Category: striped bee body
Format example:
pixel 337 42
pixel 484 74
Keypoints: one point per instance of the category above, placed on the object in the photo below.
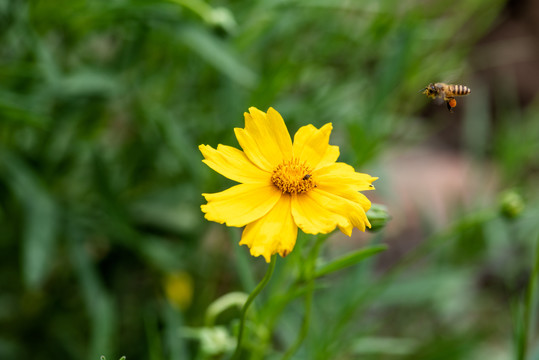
pixel 457 90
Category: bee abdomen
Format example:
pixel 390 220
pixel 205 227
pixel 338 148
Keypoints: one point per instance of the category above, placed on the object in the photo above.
pixel 461 90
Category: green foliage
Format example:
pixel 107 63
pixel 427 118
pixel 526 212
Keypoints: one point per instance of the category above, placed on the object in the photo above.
pixel 102 107
pixel 349 259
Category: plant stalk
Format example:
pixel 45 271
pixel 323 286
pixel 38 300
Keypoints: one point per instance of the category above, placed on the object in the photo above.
pixel 250 299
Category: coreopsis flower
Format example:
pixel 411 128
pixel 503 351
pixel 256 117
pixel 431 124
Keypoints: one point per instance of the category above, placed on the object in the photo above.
pixel 284 185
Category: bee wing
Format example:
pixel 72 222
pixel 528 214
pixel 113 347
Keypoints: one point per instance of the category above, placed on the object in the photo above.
pixel 439 101
pixel 440 98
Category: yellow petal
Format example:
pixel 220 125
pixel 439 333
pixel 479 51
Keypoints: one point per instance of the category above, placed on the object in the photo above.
pixel 331 155
pixel 252 149
pixel 241 204
pixel 279 132
pixel 311 144
pixel 265 139
pixel 355 211
pixel 233 164
pixel 319 211
pixel 342 174
pixel 274 233
pixel 313 217
pixel 347 192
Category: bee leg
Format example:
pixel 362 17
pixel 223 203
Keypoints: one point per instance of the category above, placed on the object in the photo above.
pixel 449 106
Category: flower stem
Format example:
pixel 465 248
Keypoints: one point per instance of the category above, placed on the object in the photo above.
pixel 308 299
pixel 526 330
pixel 250 299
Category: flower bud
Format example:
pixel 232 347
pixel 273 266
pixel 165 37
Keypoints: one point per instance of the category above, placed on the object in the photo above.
pixel 378 217
pixel 511 204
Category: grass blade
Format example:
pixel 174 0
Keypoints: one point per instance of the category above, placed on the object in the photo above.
pixel 349 260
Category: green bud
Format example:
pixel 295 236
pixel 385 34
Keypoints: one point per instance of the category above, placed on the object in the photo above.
pixel 378 217
pixel 511 204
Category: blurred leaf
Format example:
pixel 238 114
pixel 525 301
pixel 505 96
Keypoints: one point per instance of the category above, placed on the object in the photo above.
pixel 168 209
pixel 243 263
pixel 215 16
pixel 161 253
pixel 218 54
pixel 223 303
pixel 350 259
pixel 88 82
pixel 41 223
pixel 15 107
pixel 40 238
pixel 153 337
pixel 172 333
pixel 447 347
pixel 99 304
pixel 380 346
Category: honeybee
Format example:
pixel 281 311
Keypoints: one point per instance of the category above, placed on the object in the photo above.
pixel 446 92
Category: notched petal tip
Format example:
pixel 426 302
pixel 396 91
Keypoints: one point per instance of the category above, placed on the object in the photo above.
pixel 347 230
pixel 257 251
pixel 256 113
pixel 268 250
pixel 208 216
pixel 247 117
pixel 370 181
pixel 204 149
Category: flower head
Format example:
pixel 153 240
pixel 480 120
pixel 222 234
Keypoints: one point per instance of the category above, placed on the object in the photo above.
pixel 284 185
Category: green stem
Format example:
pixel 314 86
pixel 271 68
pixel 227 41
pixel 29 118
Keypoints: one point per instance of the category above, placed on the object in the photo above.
pixel 528 305
pixel 308 299
pixel 250 299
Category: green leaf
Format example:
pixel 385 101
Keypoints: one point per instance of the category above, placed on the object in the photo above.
pixel 384 346
pixel 100 305
pixel 349 260
pixel 216 53
pixel 223 303
pixel 87 82
pixel 244 270
pixel 41 221
pixel 39 239
pixel 173 321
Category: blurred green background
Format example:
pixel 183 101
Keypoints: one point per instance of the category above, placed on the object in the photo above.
pixel 104 249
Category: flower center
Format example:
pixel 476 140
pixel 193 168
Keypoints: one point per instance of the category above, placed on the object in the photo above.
pixel 293 177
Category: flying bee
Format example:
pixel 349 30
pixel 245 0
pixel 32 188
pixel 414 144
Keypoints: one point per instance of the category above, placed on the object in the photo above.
pixel 446 92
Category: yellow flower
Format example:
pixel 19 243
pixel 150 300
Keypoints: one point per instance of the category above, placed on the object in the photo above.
pixel 284 185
